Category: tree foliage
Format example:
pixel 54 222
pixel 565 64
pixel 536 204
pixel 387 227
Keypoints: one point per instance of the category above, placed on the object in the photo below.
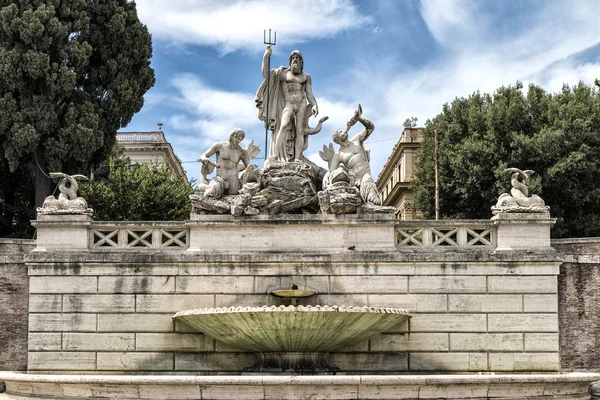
pixel 72 72
pixel 410 122
pixel 138 192
pixel 556 135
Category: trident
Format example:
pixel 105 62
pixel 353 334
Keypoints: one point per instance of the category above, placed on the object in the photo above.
pixel 269 43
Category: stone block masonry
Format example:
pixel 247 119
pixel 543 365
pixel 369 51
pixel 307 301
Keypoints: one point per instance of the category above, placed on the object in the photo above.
pixel 470 315
pixel 474 310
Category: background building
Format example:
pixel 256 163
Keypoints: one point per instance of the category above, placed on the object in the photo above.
pixel 150 147
pixel 394 181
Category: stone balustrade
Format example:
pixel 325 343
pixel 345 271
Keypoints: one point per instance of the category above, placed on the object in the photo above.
pixel 151 137
pixel 503 232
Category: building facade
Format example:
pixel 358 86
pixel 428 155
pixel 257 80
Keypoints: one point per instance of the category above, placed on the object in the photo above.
pixel 394 181
pixel 150 147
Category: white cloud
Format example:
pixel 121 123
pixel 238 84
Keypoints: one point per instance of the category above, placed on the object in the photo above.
pixel 474 58
pixel 451 22
pixel 240 24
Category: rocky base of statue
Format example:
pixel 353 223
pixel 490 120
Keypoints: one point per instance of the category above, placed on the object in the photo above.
pixel 289 188
pixel 234 205
pixel 284 188
pixel 340 198
pixel 509 204
pixel 343 198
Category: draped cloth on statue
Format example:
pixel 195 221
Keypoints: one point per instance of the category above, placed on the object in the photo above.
pixel 281 148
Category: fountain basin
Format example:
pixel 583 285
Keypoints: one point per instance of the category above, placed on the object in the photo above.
pixel 291 328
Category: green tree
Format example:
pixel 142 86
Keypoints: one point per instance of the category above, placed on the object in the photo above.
pixel 72 72
pixel 411 122
pixel 138 192
pixel 556 135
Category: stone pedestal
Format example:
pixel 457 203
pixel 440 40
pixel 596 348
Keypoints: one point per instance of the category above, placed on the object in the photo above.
pixel 523 231
pixel 292 232
pixel 62 232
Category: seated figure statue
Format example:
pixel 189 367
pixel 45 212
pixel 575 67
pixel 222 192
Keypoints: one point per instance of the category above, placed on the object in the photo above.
pixel 351 162
pixel 228 157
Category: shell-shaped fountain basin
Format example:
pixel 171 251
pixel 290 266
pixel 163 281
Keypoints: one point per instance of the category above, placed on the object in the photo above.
pixel 291 328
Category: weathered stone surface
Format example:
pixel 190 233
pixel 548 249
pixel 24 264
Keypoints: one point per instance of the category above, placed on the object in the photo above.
pixel 75 322
pixel 523 322
pixel 449 323
pixel 541 342
pixel 485 303
pixel 448 362
pixel 522 284
pixel 410 342
pixel 180 342
pixel 138 361
pixel 293 184
pixel 579 304
pixel 45 341
pixel 340 198
pixel 14 287
pixel 447 284
pixel 52 360
pixel 135 323
pixel 98 303
pixel 98 341
pixel 63 284
pixel 291 329
pixel 486 341
pixel 524 361
pixel 357 387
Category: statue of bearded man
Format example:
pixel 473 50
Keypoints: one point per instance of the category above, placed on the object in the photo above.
pixel 291 103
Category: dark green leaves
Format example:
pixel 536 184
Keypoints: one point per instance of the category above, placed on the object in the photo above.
pixel 72 72
pixel 556 135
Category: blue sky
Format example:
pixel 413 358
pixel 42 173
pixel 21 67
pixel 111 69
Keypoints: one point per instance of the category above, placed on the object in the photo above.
pixel 397 58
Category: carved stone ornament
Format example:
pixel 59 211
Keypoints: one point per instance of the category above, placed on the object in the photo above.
pixel 519 200
pixel 67 202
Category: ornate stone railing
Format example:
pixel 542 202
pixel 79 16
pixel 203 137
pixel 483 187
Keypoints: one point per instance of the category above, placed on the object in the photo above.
pixel 290 233
pixel 480 234
pixel 153 137
pixel 142 235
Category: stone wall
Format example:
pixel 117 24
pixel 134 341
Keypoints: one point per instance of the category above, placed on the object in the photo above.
pixel 474 310
pixel 579 304
pixel 14 289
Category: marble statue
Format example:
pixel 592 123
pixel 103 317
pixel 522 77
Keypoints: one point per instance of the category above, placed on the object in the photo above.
pixel 290 103
pixel 519 199
pixel 229 154
pixel 67 202
pixel 227 191
pixel 351 163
